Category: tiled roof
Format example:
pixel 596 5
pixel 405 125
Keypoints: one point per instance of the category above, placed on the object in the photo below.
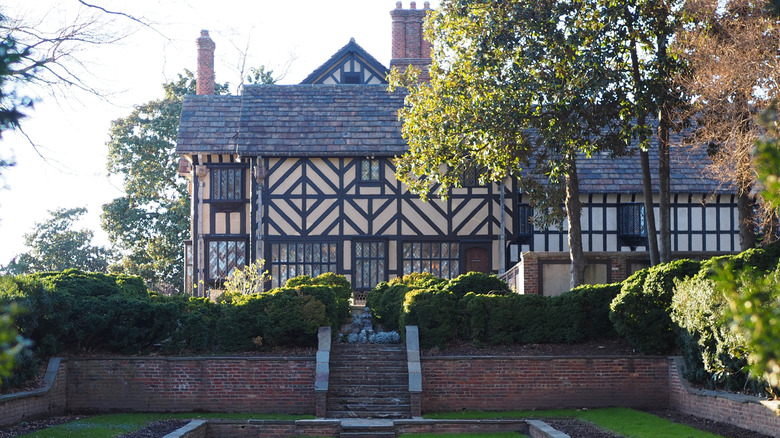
pixel 295 120
pixel 603 174
pixel 361 120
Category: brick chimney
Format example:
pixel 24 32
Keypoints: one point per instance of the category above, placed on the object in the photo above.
pixel 205 81
pixel 409 46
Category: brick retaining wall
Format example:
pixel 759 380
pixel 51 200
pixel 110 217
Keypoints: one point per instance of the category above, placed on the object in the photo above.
pixel 39 403
pixel 513 383
pixel 747 412
pixel 256 384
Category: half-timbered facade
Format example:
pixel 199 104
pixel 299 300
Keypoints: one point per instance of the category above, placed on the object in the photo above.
pixel 303 177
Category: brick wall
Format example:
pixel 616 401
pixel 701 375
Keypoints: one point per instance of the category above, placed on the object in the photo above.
pixel 256 384
pixel 513 383
pixel 748 412
pixel 39 403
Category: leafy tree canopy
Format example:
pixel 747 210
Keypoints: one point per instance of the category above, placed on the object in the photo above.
pixel 56 245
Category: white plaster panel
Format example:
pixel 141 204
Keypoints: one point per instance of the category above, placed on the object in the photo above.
pixel 711 218
pixel 611 243
pixel 696 219
pixel 711 240
pixel 539 243
pixel 598 243
pixel 611 218
pixel 598 219
pixel 683 219
pixel 725 242
pixel 696 244
pixel 682 244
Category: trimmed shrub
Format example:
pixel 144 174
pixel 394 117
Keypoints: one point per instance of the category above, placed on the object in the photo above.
pixel 433 312
pixel 477 282
pixel 594 302
pixel 641 312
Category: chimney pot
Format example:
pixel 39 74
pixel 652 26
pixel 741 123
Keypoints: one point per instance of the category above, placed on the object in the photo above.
pixel 399 5
pixel 413 5
pixel 427 5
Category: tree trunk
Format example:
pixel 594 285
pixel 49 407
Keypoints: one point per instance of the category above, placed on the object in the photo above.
pixel 664 124
pixel 664 192
pixel 647 188
pixel 573 213
pixel 644 156
pixel 747 235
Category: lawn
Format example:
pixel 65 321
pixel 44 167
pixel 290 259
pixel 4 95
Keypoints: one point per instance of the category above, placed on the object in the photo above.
pixel 111 425
pixel 623 421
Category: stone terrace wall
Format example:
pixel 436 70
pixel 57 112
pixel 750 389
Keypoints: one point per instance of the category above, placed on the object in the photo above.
pixel 252 384
pixel 44 402
pixel 514 383
pixel 747 412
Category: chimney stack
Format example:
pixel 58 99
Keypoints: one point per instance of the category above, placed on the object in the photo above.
pixel 409 46
pixel 205 80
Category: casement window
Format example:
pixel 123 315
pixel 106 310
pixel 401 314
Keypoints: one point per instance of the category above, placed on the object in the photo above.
pixel 631 220
pixel 370 264
pixel 370 170
pixel 223 256
pixel 441 259
pixel 631 225
pixel 188 266
pixel 227 184
pixel 470 177
pixel 293 259
pixel 525 220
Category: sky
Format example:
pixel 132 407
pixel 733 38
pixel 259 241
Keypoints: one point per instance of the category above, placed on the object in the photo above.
pixel 67 168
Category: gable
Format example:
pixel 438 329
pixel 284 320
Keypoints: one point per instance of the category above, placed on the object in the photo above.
pixel 350 65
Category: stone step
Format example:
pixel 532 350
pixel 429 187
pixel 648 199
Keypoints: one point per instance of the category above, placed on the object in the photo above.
pixel 367 434
pixel 355 390
pixel 376 414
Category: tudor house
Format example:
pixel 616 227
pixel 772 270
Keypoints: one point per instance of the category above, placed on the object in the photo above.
pixel 302 176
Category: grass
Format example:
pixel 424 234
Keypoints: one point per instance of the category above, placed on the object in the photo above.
pixel 464 435
pixel 111 425
pixel 623 421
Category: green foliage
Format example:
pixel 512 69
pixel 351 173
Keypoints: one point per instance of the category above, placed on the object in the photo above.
pixel 434 313
pixel 753 313
pixel 477 282
pixel 55 245
pixel 12 105
pixel 580 314
pixel 247 280
pixel 386 300
pixel 151 221
pixel 641 312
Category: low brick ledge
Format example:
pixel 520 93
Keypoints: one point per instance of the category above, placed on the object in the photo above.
pixel 536 428
pixel 48 382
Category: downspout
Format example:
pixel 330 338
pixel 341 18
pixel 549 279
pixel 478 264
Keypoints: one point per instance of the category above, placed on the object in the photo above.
pixel 502 235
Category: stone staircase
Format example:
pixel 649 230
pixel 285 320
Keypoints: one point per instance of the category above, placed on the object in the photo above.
pixel 368 381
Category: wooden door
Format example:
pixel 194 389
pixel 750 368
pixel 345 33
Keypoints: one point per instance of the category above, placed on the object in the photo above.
pixel 477 259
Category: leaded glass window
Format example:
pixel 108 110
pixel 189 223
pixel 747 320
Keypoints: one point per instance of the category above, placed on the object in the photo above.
pixel 224 255
pixel 227 184
pixel 290 260
pixel 441 259
pixel 525 218
pixel 369 169
pixel 370 262
pixel 632 220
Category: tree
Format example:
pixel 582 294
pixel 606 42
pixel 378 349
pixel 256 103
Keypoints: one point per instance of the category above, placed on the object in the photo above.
pixel 55 246
pixel 517 89
pixel 12 105
pixel 732 50
pixel 151 221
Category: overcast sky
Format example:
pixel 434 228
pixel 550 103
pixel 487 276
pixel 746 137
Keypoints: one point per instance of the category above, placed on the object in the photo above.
pixel 72 131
